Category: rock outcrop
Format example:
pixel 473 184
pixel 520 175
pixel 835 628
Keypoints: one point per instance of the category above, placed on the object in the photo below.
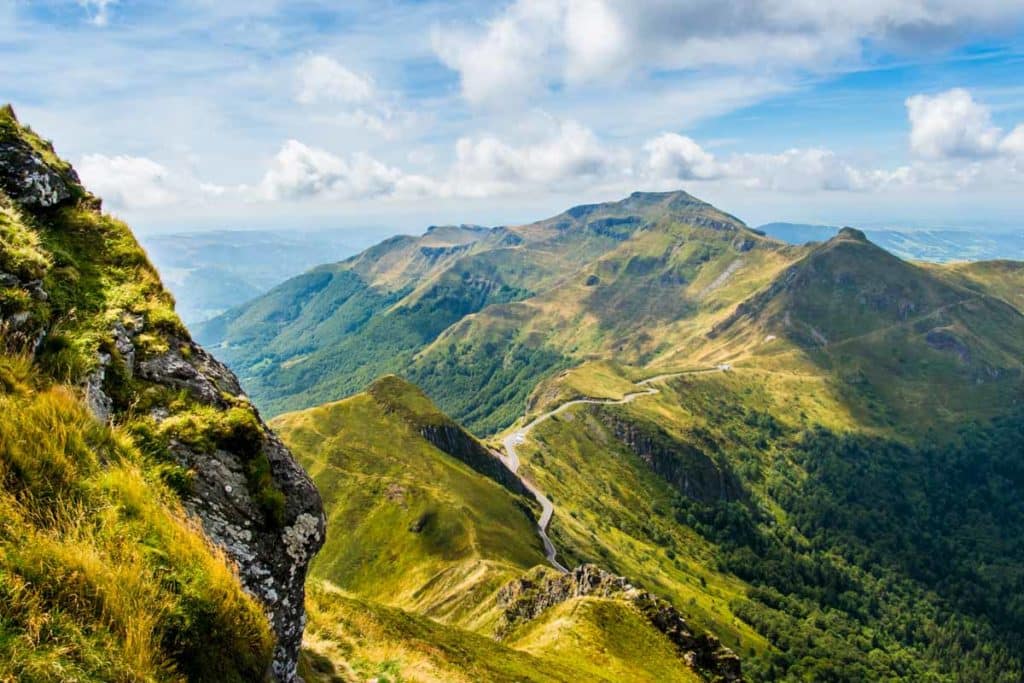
pixel 245 488
pixel 26 177
pixel 527 598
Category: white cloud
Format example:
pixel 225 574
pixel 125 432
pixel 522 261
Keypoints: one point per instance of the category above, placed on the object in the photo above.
pixel 322 79
pixel 508 58
pixel 569 154
pixel 676 157
pixel 128 182
pixel 299 172
pixel 342 97
pixel 950 125
pixel 1013 144
pixel 531 44
pixel 98 10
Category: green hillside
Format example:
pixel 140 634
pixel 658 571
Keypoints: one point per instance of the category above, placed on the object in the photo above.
pixel 413 525
pixel 429 560
pixel 811 452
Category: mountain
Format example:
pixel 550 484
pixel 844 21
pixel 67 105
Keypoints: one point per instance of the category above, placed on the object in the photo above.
pixel 151 526
pixel 210 272
pixel 812 452
pixel 440 548
pixel 940 246
pixel 510 304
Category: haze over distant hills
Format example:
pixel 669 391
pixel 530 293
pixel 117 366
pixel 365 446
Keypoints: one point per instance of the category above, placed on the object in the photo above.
pixel 209 272
pixel 939 245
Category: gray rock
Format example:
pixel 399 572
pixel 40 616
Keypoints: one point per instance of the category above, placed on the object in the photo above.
pixel 27 179
pixel 272 558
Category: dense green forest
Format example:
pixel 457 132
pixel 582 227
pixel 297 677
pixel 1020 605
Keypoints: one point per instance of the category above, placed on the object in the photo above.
pixel 891 561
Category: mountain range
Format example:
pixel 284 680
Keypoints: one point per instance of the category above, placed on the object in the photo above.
pixel 762 434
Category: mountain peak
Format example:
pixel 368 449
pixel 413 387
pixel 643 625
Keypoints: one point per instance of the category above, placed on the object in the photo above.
pixel 849 233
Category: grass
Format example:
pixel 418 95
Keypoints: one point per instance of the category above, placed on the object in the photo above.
pixel 603 639
pixel 351 639
pixel 103 576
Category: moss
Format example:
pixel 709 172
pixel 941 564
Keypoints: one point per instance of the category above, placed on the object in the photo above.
pixel 270 499
pixel 20 249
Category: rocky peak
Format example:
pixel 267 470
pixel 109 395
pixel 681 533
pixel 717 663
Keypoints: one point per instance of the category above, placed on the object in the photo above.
pixel 852 234
pixel 25 174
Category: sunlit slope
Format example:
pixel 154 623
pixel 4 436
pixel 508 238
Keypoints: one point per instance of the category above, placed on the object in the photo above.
pixel 904 346
pixel 419 527
pixel 411 524
pixel 814 548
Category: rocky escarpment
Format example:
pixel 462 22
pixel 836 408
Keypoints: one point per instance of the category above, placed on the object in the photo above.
pixel 272 543
pixel 686 468
pixel 408 401
pixel 529 597
pixel 78 296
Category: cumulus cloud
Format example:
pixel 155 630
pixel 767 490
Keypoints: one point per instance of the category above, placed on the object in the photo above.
pixel 302 172
pixel 532 43
pixel 1013 144
pixel 340 96
pixel 127 181
pixel 507 59
pixel 676 157
pixel 950 125
pixel 568 155
pixel 672 157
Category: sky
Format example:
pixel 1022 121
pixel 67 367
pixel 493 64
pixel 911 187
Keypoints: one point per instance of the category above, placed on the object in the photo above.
pixel 386 116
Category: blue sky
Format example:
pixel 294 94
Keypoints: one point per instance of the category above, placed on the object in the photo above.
pixel 393 115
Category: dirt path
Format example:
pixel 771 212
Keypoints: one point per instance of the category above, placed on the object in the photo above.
pixel 510 458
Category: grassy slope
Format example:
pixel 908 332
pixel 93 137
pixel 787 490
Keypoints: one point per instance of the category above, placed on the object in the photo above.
pixel 613 510
pixel 876 375
pixel 102 576
pixel 412 525
pixel 352 639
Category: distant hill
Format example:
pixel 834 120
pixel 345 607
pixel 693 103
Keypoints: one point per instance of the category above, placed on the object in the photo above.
pixel 476 316
pixel 210 272
pixel 940 246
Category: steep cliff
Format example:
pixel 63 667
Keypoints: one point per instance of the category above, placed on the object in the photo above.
pixel 80 303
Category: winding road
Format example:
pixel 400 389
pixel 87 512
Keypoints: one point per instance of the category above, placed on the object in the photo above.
pixel 510 459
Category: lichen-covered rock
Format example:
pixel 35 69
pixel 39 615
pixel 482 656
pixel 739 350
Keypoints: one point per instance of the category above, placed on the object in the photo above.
pixel 27 179
pixel 272 554
pixel 527 598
